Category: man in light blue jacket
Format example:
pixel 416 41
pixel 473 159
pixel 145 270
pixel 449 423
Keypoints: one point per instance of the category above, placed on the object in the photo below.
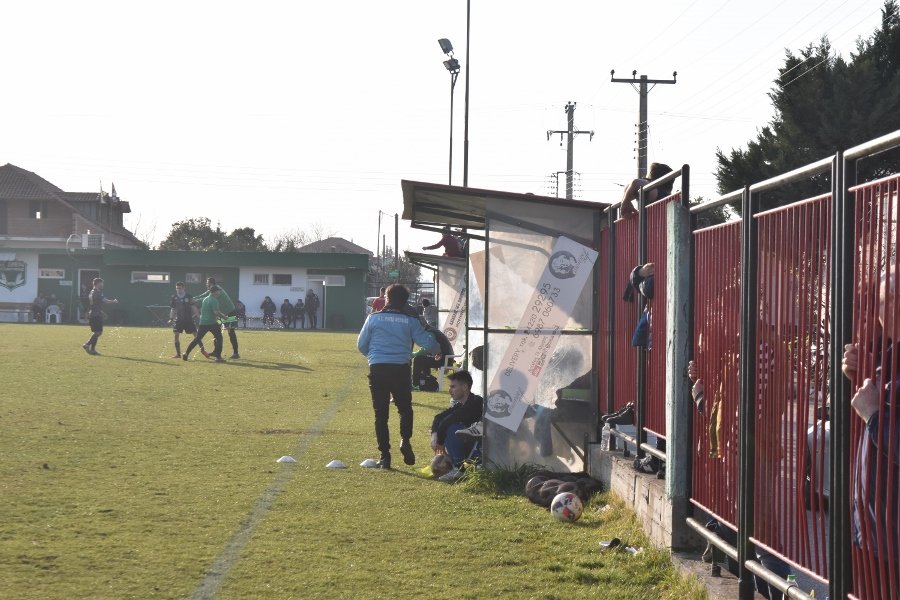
pixel 387 339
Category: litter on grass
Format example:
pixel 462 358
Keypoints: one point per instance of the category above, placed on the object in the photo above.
pixel 336 464
pixel 613 543
pixel 286 459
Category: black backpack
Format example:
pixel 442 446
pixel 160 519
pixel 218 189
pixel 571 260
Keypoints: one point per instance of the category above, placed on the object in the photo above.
pixel 429 384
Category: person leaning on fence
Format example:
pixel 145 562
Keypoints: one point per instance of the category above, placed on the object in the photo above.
pixel 630 194
pixel 464 411
pixel 386 339
pixel 877 489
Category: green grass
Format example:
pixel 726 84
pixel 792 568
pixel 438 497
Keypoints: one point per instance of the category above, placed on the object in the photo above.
pixel 133 475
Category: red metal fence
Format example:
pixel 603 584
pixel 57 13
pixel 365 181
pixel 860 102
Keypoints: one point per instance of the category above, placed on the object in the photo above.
pixel 602 350
pixel 717 294
pixel 657 251
pixel 625 313
pixel 793 289
pixel 875 424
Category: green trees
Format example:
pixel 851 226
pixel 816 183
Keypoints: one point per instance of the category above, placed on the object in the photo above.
pixel 823 103
pixel 198 234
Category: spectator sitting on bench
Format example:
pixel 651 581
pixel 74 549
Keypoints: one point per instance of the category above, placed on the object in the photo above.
pixel 465 410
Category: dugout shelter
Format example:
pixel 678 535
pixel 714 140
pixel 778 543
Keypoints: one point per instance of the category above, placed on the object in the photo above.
pixel 531 316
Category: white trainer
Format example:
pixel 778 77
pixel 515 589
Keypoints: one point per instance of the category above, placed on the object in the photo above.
pixel 473 430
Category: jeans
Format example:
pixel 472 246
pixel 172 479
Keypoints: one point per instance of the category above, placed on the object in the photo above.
pixel 457 446
pixel 385 381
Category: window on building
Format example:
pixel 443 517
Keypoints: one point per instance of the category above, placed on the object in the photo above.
pixel 193 278
pixel 260 279
pixel 149 277
pixel 37 209
pixel 282 279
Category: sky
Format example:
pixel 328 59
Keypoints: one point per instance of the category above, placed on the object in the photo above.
pixel 293 115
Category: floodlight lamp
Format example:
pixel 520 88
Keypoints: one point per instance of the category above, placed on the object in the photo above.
pixel 452 65
pixel 446 46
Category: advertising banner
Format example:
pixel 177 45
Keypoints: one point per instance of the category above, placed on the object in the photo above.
pixel 455 321
pixel 516 380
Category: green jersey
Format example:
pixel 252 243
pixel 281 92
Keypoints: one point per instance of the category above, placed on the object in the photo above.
pixel 208 310
pixel 225 303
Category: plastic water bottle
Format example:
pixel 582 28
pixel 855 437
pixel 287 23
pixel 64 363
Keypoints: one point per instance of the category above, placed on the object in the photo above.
pixel 604 437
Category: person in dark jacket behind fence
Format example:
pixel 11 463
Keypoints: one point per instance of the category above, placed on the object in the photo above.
pixel 875 489
pixel 386 339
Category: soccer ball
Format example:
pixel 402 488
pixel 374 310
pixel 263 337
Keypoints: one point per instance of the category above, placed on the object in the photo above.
pixel 566 507
pixel 441 465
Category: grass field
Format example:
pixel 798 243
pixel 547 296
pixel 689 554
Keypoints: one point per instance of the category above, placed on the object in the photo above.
pixel 133 475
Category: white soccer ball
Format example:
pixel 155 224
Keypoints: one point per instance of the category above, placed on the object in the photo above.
pixel 566 507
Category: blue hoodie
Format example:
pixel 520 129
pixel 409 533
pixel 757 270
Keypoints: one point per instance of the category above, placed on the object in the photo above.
pixel 387 337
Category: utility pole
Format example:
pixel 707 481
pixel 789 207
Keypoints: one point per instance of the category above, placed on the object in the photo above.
pixel 642 81
pixel 570 150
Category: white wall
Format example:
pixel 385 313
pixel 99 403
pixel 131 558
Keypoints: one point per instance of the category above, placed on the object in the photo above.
pixel 252 295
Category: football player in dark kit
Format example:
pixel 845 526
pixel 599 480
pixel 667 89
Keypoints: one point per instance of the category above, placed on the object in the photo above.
pixel 96 300
pixel 181 316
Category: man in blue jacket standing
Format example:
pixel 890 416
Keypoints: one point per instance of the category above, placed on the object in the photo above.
pixel 386 339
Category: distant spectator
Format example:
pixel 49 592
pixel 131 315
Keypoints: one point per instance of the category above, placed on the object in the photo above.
pixel 268 307
pixel 430 312
pixel 39 308
pixel 312 307
pixel 379 302
pixel 452 246
pixel 240 311
pixel 655 171
pixel 287 313
pixel 300 313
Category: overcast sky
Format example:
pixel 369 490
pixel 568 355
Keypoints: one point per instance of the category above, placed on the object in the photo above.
pixel 280 115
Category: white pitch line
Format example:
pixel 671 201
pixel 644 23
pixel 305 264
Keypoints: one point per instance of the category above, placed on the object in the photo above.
pixel 232 551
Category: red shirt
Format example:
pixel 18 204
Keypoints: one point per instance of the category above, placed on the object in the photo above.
pixel 378 304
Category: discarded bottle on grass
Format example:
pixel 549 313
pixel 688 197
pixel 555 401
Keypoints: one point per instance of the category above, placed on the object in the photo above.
pixel 604 438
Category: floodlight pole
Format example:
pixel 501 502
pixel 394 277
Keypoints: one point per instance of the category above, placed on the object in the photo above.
pixel 468 64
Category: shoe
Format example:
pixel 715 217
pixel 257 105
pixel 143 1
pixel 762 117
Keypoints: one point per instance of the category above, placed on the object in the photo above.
pixel 648 464
pixel 623 417
pixel 384 462
pixel 86 348
pixel 176 356
pixel 204 353
pixel 219 359
pixel 184 357
pixel 235 355
pixel 452 476
pixel 473 430
pixel 407 452
pixel 94 352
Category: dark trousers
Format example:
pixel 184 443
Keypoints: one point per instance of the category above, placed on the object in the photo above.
pixel 385 381
pixel 422 366
pixel 216 330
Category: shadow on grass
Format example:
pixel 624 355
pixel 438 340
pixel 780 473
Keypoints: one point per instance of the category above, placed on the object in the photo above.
pixel 144 360
pixel 270 366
